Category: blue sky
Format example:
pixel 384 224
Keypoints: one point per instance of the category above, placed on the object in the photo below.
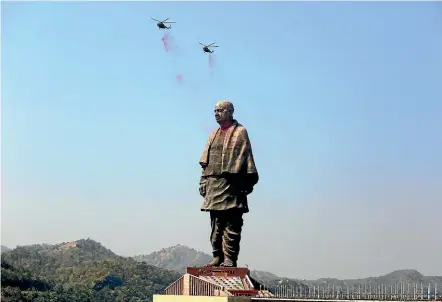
pixel 341 101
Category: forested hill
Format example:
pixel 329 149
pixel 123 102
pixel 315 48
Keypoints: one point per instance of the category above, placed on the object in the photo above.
pixel 178 257
pixel 4 248
pixel 81 270
pixel 85 270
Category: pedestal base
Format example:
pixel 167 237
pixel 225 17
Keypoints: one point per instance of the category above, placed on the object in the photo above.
pixel 217 281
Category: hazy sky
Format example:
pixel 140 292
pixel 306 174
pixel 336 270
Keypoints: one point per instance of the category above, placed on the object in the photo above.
pixel 341 101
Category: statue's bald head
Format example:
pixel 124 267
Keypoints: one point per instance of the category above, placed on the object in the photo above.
pixel 224 112
pixel 226 104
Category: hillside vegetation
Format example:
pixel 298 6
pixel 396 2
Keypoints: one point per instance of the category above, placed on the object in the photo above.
pixel 4 248
pixel 175 258
pixel 82 270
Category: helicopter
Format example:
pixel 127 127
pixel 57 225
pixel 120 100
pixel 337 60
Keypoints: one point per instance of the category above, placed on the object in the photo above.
pixel 206 47
pixel 162 24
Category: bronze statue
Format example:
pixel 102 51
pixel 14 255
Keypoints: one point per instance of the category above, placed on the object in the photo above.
pixel 229 175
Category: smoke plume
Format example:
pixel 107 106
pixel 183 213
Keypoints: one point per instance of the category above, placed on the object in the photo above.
pixel 180 78
pixel 167 42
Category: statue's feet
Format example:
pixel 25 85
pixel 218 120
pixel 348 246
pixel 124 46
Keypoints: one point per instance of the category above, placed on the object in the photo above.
pixel 216 261
pixel 228 263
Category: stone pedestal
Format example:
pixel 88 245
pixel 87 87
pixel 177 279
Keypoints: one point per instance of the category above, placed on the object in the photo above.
pixel 216 282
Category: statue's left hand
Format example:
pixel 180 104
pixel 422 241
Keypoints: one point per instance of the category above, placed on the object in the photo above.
pixel 247 191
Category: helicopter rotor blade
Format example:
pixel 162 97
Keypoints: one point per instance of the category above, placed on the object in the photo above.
pixel 211 44
pixel 202 44
pixel 169 22
pixel 165 20
pixel 155 20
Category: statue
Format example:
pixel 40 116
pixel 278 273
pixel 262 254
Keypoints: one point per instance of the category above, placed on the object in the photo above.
pixel 228 176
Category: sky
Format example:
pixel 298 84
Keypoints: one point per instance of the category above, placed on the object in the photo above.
pixel 102 128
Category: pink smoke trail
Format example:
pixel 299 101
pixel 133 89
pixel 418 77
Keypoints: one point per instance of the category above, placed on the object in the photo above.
pixel 166 41
pixel 180 78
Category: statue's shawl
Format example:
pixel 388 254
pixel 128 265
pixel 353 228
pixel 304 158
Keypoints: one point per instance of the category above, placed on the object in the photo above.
pixel 237 156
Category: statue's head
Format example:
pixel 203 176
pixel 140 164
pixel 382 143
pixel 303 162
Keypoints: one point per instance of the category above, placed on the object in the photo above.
pixel 224 112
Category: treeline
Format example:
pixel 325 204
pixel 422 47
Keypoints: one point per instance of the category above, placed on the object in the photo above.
pixel 79 271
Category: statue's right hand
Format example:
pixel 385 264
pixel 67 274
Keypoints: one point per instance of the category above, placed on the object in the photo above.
pixel 203 190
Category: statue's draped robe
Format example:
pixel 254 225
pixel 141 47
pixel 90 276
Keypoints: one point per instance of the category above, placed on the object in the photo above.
pixel 229 174
pixel 229 171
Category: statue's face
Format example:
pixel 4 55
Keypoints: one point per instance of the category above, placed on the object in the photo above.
pixel 222 113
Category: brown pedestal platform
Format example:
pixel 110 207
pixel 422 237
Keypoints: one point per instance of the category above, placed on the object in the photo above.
pixel 217 281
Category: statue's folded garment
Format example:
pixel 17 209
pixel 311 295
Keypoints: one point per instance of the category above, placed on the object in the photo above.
pixel 229 171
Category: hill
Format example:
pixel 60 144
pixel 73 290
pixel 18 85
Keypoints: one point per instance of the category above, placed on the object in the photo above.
pixel 175 258
pixel 178 257
pixel 406 276
pixel 48 258
pixel 5 249
pixel 81 270
pixel 84 270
